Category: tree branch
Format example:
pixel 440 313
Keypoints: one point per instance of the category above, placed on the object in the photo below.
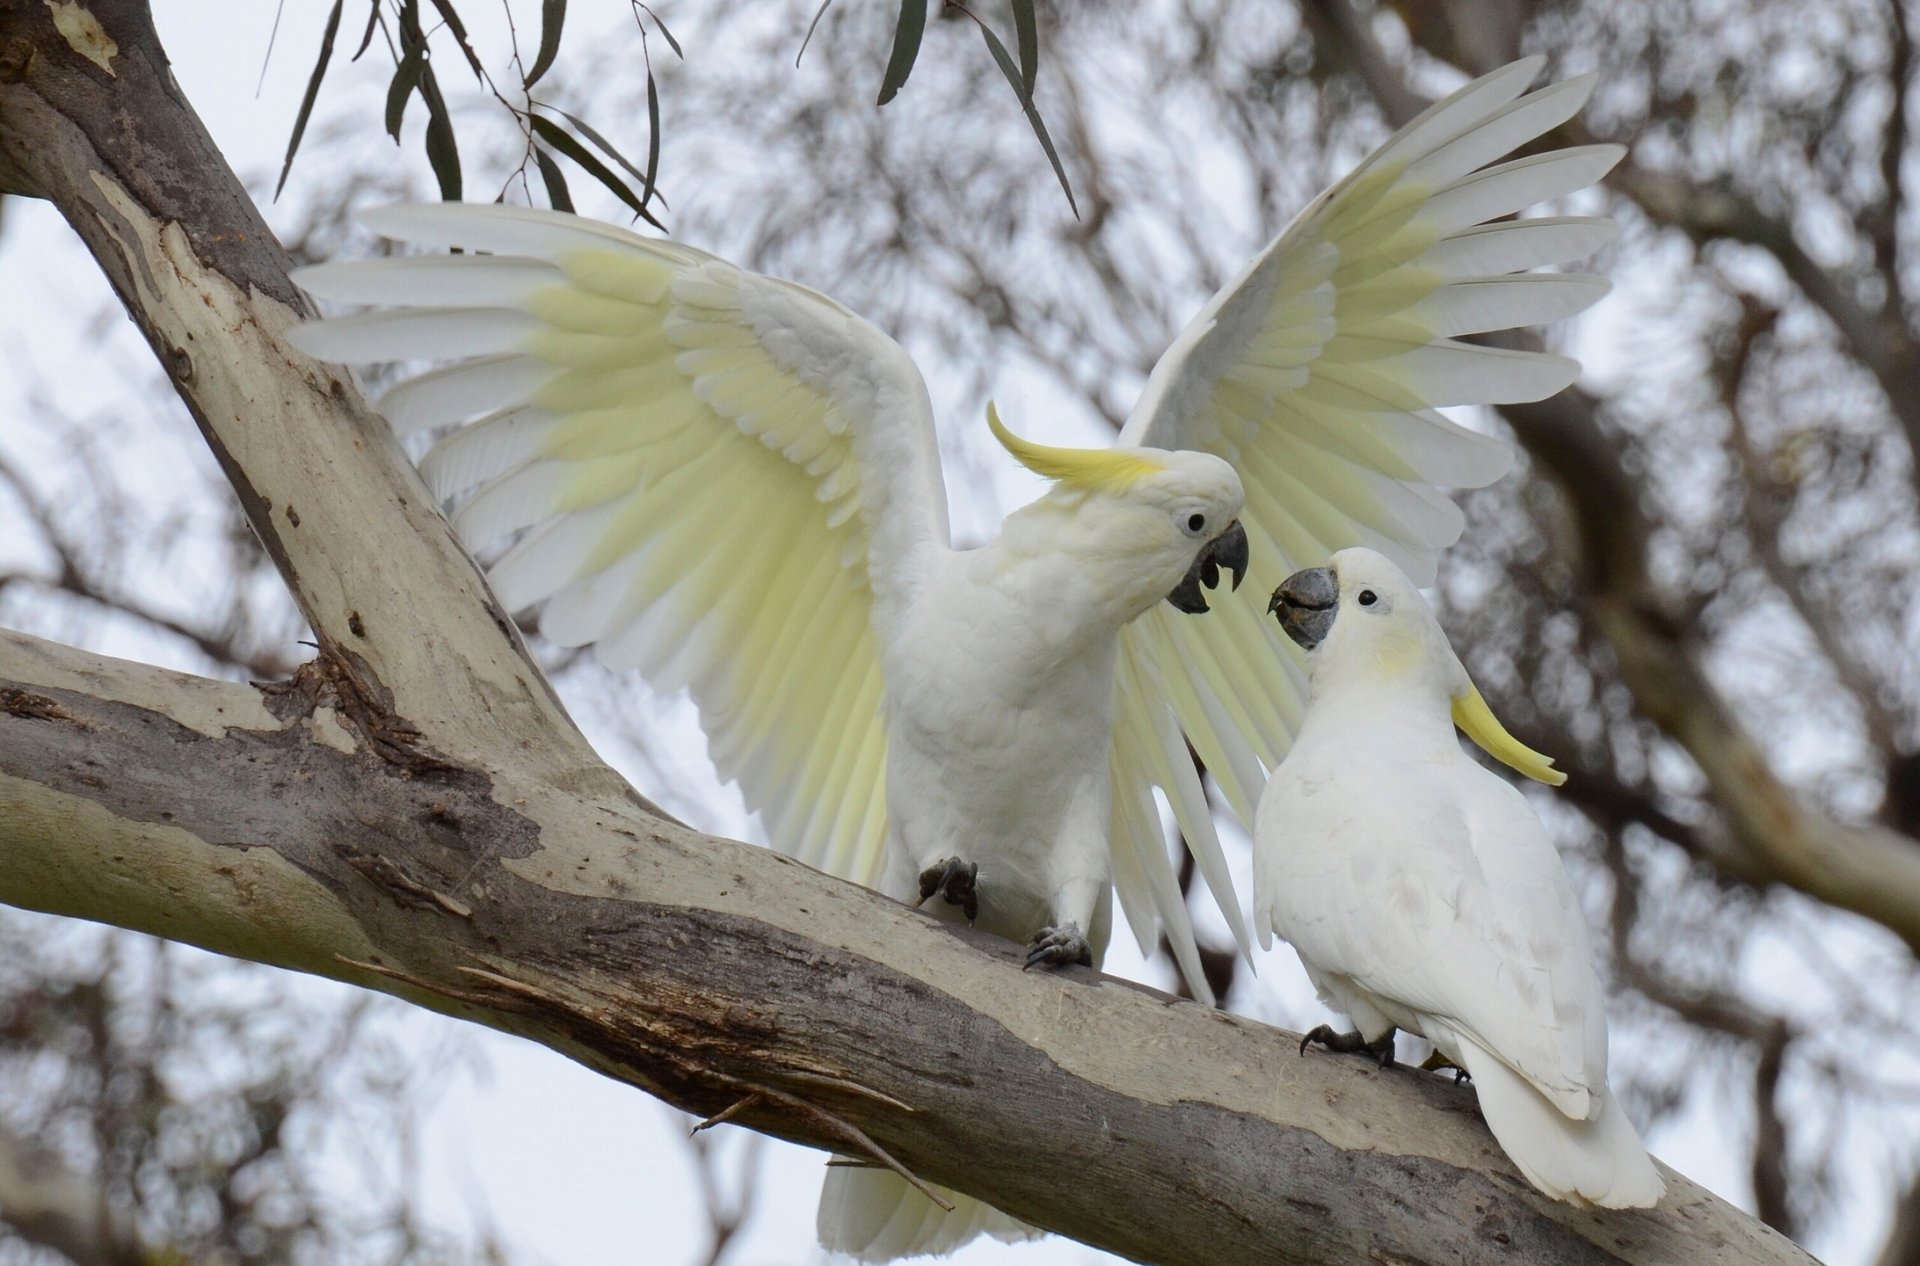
pixel 1884 227
pixel 710 972
pixel 122 155
pixel 1864 867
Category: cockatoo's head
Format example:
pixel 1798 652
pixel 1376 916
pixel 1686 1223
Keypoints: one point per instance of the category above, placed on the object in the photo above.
pixel 1163 523
pixel 1362 622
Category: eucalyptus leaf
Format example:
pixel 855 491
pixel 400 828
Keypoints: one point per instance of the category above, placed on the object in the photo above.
pixel 312 93
pixel 906 47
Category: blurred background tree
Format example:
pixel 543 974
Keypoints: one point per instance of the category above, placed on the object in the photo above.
pixel 1702 592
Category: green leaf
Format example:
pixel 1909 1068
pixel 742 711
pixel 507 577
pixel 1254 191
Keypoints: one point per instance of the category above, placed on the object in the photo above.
pixel 906 47
pixel 1026 37
pixel 1012 72
pixel 556 181
pixel 653 138
pixel 553 16
pixel 671 42
pixel 442 154
pixel 406 77
pixel 560 139
pixel 413 65
pixel 451 17
pixel 601 143
pixel 366 37
pixel 313 92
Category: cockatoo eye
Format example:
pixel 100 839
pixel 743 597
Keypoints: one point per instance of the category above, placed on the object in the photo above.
pixel 1196 524
pixel 1368 597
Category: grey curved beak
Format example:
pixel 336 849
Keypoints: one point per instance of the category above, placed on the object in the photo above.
pixel 1228 550
pixel 1305 604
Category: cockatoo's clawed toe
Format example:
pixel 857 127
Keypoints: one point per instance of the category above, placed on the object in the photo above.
pixel 1438 1063
pixel 1057 947
pixel 954 880
pixel 1380 1049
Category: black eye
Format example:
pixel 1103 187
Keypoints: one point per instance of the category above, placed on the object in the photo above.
pixel 1197 523
pixel 1367 598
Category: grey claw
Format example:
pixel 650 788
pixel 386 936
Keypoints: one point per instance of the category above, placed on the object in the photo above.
pixel 954 880
pixel 1380 1049
pixel 1057 947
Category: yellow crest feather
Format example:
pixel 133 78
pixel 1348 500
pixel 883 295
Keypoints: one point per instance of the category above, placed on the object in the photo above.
pixel 1083 469
pixel 1472 715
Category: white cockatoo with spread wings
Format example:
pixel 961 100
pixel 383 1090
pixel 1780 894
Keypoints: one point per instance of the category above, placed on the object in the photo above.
pixel 731 483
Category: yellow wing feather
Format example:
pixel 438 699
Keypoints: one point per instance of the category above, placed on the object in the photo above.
pixel 719 479
pixel 1317 372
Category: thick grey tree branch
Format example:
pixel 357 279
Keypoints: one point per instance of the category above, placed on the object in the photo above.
pixel 1776 837
pixel 413 812
pixel 723 977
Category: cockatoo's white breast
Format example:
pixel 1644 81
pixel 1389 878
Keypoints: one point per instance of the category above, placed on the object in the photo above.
pixel 1408 875
pixel 999 723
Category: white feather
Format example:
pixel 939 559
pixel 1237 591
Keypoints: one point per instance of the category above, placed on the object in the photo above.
pixel 730 483
pixel 414 334
pixel 1318 368
pixel 1421 892
pixel 458 392
pixel 436 281
pixel 874 1215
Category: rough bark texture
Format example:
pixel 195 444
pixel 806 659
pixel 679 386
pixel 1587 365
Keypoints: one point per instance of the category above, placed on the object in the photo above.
pixel 721 976
pixel 413 812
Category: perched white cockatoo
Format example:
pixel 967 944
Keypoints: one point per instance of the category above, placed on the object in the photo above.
pixel 731 483
pixel 1421 891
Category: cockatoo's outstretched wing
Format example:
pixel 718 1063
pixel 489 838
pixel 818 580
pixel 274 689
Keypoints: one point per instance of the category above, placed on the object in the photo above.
pixel 1316 372
pixel 720 477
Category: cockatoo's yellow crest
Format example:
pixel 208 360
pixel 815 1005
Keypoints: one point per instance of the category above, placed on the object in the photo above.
pixel 1083 469
pixel 1476 719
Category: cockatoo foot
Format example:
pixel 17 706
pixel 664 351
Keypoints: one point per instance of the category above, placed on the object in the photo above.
pixel 1381 1049
pixel 954 880
pixel 1438 1063
pixel 1057 947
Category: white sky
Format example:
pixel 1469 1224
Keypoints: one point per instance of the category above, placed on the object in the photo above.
pixel 567 1165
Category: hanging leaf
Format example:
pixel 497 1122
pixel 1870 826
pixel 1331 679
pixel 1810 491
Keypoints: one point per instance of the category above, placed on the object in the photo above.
pixel 1012 71
pixel 442 154
pixel 1026 38
pixel 406 75
pixel 906 47
pixel 313 92
pixel 601 143
pixel 451 17
pixel 366 36
pixel 406 78
pixel 562 140
pixel 553 16
pixel 653 137
pixel 557 196
pixel 671 42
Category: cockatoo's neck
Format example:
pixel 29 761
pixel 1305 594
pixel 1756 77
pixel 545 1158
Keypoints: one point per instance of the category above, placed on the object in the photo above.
pixel 1085 584
pixel 1390 680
